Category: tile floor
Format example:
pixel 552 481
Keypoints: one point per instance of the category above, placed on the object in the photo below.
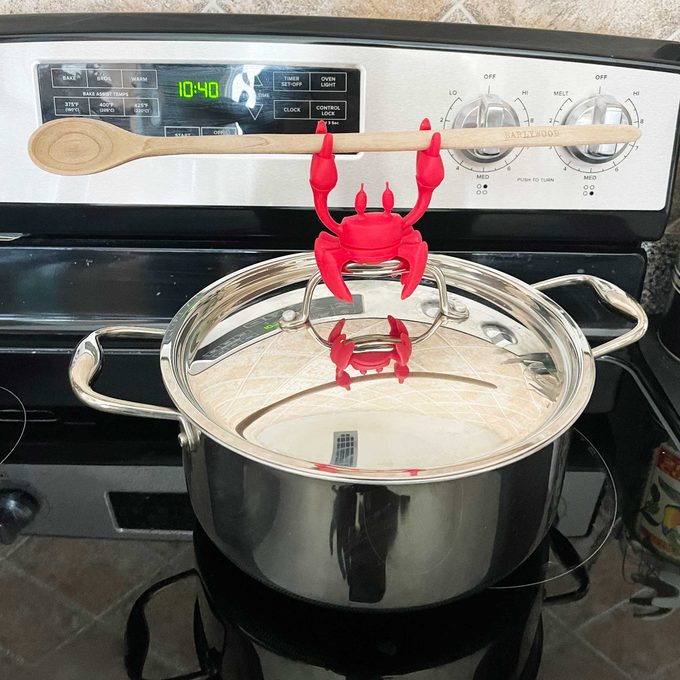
pixel 64 603
pixel 599 637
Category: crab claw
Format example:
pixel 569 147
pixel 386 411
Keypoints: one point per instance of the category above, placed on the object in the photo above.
pixel 323 175
pixel 337 330
pixel 429 165
pixel 403 349
pixel 395 328
pixel 341 350
pixel 401 371
pixel 435 145
pixel 331 259
pixel 415 256
pixel 341 353
pixel 342 379
pixel 326 150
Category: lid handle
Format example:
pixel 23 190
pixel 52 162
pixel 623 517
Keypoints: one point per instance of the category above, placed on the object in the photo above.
pixel 457 311
pixel 373 351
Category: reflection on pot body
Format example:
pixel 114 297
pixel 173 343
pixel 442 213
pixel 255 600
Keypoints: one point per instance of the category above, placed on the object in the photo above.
pixel 459 640
pixel 364 526
pixel 373 545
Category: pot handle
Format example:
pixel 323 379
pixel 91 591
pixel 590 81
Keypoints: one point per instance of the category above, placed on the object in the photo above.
pixel 612 296
pixel 87 362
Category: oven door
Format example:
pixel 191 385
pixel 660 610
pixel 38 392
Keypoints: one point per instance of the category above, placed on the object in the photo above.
pixel 93 474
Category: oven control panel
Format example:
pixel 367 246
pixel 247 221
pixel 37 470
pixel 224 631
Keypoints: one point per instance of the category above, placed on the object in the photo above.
pixel 209 87
pixel 179 100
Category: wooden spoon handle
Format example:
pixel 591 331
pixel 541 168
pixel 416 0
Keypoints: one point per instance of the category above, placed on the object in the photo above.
pixel 355 142
pixel 79 146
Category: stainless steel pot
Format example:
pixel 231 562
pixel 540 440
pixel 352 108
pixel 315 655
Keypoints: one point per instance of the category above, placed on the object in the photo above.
pixel 388 495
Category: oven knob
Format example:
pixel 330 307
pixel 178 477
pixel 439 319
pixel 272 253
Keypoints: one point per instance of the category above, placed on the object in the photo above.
pixel 17 511
pixel 602 109
pixel 487 111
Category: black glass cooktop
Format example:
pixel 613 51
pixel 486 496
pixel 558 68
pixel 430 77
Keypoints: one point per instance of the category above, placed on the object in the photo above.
pixel 598 598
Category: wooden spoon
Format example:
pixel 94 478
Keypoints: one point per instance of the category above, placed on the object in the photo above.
pixel 79 146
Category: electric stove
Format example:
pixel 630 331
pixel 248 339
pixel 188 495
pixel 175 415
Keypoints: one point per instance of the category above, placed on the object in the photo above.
pixel 131 245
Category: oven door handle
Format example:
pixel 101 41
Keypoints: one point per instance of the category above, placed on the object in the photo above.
pixel 613 297
pixel 87 363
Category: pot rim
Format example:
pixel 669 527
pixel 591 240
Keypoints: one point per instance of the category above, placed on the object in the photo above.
pixel 527 303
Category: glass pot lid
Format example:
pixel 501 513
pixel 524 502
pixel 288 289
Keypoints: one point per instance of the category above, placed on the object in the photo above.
pixel 496 371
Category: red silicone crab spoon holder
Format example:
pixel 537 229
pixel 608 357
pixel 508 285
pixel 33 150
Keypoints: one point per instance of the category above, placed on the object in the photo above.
pixel 372 237
pixel 369 238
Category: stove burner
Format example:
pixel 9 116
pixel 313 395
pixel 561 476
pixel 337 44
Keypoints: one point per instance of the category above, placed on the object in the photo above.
pixel 244 630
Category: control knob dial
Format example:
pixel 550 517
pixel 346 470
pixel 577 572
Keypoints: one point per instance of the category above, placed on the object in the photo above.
pixel 17 510
pixel 487 111
pixel 602 109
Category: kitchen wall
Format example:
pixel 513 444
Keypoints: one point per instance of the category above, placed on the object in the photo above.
pixel 649 19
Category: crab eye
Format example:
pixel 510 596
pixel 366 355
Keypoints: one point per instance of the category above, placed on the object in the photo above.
pixel 361 200
pixel 388 198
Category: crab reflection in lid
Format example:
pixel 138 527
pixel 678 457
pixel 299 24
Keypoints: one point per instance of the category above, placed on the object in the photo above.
pixel 470 392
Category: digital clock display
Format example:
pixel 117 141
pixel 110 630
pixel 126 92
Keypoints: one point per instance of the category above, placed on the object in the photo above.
pixel 207 89
pixel 180 100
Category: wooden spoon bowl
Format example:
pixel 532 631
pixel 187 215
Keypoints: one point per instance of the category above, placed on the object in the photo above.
pixel 77 146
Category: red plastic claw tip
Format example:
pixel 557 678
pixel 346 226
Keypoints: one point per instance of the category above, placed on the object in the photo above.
pixel 341 350
pixel 429 165
pixel 341 354
pixel 403 349
pixel 323 175
pixel 435 145
pixel 342 379
pixel 415 256
pixel 402 372
pixel 321 128
pixel 330 261
pixel 327 146
pixel 425 124
pixel 337 330
pixel 397 327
